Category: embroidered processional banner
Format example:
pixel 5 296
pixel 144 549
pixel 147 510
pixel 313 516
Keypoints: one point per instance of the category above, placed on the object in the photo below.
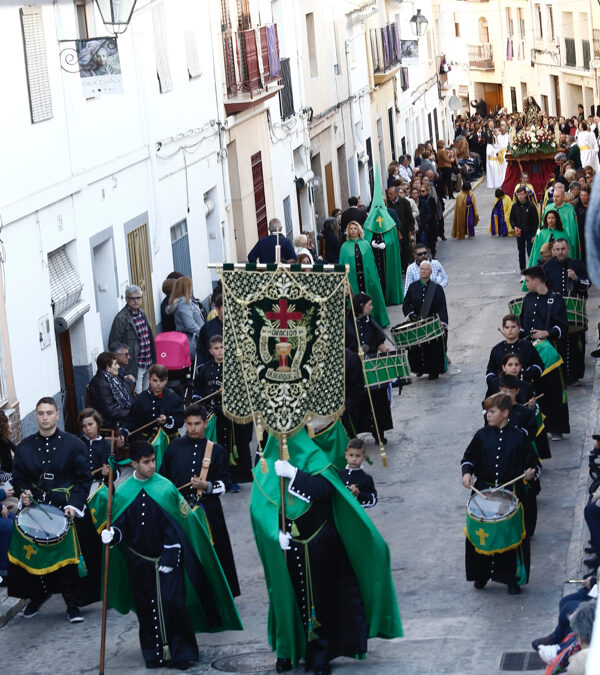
pixel 284 345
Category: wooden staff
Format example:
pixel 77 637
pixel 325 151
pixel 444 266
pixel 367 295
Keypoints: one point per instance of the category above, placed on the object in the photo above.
pixel 510 482
pixel 215 393
pixel 144 426
pixel 185 486
pixel 107 556
pixel 282 494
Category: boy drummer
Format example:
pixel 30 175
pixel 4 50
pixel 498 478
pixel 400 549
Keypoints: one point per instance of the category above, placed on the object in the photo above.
pixel 497 454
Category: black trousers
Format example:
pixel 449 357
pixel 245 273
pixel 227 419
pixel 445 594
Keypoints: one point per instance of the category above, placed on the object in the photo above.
pixel 524 242
pixel 446 180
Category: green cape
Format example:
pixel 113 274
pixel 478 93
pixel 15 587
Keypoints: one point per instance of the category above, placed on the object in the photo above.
pixel 333 441
pixel 177 510
pixel 366 549
pixel 569 221
pixel 379 221
pixel 542 237
pixel 372 284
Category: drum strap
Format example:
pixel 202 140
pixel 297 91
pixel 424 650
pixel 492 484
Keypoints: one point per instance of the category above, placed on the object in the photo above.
pixel 205 463
pixel 428 299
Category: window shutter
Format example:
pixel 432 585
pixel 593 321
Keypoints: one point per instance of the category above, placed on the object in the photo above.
pixel 252 60
pixel 193 65
pixel 40 100
pixel 162 62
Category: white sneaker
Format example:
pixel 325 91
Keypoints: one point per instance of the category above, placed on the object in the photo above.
pixel 548 653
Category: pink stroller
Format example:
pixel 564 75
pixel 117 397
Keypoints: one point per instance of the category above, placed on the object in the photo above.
pixel 173 352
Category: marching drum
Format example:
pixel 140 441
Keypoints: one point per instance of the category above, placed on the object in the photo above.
pixel 515 306
pixel 45 524
pixel 495 522
pixel 412 333
pixel 576 313
pixel 388 367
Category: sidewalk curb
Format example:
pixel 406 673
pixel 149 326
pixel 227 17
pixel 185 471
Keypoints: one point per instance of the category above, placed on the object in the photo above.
pixel 9 607
pixel 579 533
pixel 474 186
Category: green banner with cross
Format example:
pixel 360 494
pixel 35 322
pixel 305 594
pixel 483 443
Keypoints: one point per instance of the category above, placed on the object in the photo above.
pixel 43 558
pixel 496 536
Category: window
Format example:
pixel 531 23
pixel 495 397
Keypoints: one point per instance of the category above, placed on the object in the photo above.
pixel 260 204
pixel 509 22
pixel 551 21
pixel 180 246
pixel 435 124
pixel 286 95
pixel 521 23
pixel 312 44
pixel 82 20
pixel 40 101
pixel 392 133
pixel 587 56
pixel 570 53
pixel 162 62
pixel 287 216
pixel 429 125
pixel 456 29
pixel 191 54
pixel 539 33
pixel 403 144
pixel 513 99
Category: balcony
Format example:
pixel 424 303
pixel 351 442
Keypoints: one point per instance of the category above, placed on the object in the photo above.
pixel 385 52
pixel 252 66
pixel 481 56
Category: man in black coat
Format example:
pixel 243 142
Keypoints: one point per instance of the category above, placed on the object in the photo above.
pixel 581 209
pixel 544 316
pixel 423 299
pixel 156 403
pixel 50 467
pixel 264 249
pixel 569 277
pixel 184 464
pixel 209 330
pixel 524 219
pixel 352 213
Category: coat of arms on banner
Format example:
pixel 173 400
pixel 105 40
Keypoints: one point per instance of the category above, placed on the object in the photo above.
pixel 284 346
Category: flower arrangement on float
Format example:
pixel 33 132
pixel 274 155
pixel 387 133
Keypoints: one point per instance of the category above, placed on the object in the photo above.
pixel 531 141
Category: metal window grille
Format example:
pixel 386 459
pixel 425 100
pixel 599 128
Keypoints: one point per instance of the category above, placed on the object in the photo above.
pixel 191 53
pixel 596 36
pixel 435 124
pixel 570 53
pixel 180 246
pixel 287 215
pixel 40 100
pixel 587 54
pixel 162 62
pixel 286 95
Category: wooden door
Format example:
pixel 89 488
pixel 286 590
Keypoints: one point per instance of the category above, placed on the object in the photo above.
pixel 493 98
pixel 330 188
pixel 556 94
pixel 141 269
pixel 260 202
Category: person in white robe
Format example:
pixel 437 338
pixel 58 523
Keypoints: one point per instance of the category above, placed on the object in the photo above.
pixel 588 147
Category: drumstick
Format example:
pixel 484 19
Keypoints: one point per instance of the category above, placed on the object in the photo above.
pixel 538 397
pixel 144 426
pixel 478 492
pixel 43 510
pixel 96 470
pixel 184 486
pixel 215 393
pixel 510 482
pixel 575 581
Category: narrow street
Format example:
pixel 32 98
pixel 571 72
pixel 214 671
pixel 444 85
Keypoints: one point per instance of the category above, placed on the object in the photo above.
pixel 449 627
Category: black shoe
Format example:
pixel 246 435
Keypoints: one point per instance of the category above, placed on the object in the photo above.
pixel 234 488
pixel 323 670
pixel 596 353
pixel 283 665
pixel 157 664
pixel 591 562
pixel 433 376
pixel 546 640
pixel 589 549
pixel 419 374
pixel 33 607
pixel 480 583
pixel 514 589
pixel 183 665
pixel 443 237
pixel 74 614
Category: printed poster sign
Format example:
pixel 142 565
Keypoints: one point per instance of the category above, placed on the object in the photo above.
pixel 409 52
pixel 99 66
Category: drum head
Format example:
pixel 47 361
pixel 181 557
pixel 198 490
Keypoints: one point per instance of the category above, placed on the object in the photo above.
pixel 494 506
pixel 43 523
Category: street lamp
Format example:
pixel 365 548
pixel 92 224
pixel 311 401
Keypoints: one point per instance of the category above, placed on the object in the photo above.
pixel 419 23
pixel 116 14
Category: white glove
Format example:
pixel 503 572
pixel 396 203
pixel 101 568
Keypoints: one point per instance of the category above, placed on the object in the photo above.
pixel 107 535
pixel 374 244
pixel 284 469
pixel 164 569
pixel 382 245
pixel 284 540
